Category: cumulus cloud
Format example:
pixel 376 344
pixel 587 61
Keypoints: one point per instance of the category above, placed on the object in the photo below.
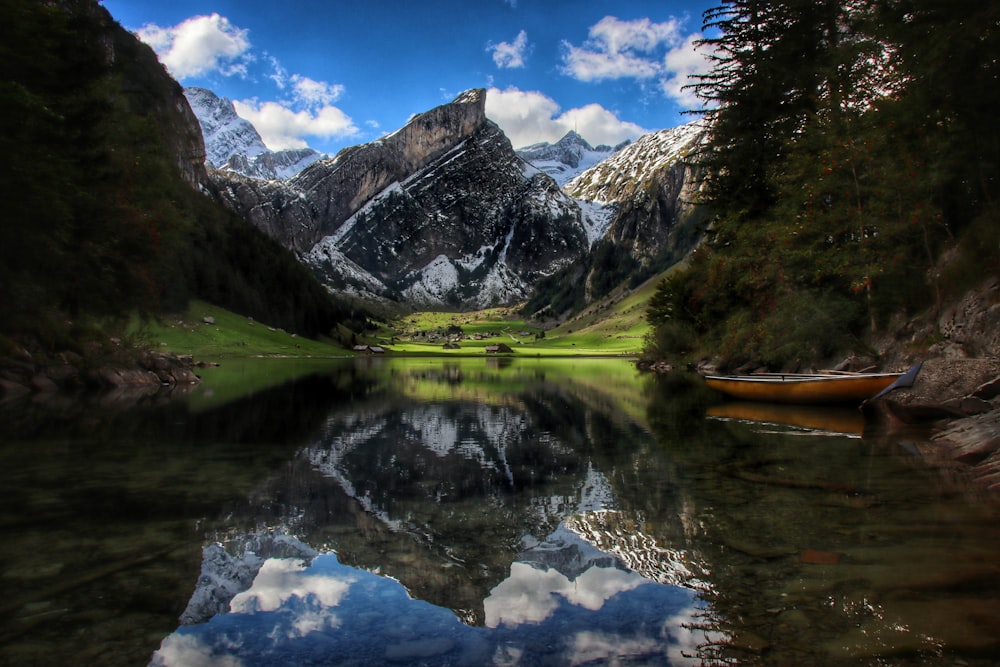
pixel 641 50
pixel 283 127
pixel 528 117
pixel 619 49
pixel 508 55
pixel 198 45
pixel 679 65
pixel 204 45
pixel 315 93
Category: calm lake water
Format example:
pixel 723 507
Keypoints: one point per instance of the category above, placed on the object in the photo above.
pixel 480 512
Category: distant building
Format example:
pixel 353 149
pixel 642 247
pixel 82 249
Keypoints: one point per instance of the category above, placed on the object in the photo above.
pixel 368 349
pixel 499 348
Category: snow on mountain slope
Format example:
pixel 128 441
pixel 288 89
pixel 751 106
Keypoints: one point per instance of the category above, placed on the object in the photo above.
pixel 233 143
pixel 226 134
pixel 567 158
pixel 615 179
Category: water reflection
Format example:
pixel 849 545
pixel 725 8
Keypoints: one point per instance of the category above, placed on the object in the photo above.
pixel 447 504
pixel 420 512
pixel 563 602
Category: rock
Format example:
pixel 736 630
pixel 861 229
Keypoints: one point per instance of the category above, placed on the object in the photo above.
pixel 41 383
pixel 818 557
pixel 973 323
pixel 944 388
pixel 973 439
pixel 11 389
pixel 65 372
pixel 67 376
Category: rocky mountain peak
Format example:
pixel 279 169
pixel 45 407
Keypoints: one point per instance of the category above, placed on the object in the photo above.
pixel 442 211
pixel 572 138
pixel 233 144
pixel 226 134
pixel 566 158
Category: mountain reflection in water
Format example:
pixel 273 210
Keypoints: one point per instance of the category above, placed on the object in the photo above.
pixel 448 530
pixel 407 511
pixel 316 610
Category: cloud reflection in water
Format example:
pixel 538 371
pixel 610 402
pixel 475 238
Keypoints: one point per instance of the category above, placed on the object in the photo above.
pixel 321 611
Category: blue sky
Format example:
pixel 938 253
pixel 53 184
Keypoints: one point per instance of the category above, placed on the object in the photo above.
pixel 333 73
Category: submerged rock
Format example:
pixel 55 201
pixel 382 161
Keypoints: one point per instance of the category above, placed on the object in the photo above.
pixel 961 397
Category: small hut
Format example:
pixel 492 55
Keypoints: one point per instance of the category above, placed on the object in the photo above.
pixel 499 348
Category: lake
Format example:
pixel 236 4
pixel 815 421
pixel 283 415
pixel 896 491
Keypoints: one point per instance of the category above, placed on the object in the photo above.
pixel 480 511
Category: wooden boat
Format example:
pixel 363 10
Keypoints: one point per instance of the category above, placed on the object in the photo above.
pixel 818 388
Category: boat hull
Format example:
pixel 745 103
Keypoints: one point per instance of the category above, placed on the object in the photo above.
pixel 802 389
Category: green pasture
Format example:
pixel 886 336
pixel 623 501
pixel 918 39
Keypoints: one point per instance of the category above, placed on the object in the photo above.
pixel 228 336
pixel 614 326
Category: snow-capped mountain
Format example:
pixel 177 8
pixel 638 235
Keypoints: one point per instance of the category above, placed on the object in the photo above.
pixel 617 178
pixel 653 187
pixel 567 158
pixel 233 143
pixel 440 212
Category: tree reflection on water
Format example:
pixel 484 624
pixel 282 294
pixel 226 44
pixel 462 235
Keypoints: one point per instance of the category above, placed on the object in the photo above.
pixel 465 512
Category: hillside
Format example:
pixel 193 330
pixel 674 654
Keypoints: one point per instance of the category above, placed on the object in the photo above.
pixel 853 213
pixel 105 184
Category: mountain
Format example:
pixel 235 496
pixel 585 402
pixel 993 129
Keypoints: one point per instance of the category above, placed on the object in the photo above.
pixel 440 212
pixel 233 143
pixel 567 158
pixel 653 188
pixel 646 193
pixel 105 184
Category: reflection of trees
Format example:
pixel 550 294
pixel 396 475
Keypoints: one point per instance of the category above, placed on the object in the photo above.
pixel 820 550
pixel 441 495
pixel 789 538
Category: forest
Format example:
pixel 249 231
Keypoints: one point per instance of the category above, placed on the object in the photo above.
pixel 851 175
pixel 99 226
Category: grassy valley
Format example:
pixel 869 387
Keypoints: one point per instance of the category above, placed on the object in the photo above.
pixel 614 326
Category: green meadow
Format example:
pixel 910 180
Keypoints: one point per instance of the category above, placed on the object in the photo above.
pixel 614 326
pixel 211 333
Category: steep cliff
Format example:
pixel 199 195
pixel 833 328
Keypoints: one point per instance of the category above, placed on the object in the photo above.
pixel 105 184
pixel 653 189
pixel 646 196
pixel 441 211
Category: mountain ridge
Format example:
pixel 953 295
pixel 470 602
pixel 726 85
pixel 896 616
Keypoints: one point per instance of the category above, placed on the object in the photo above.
pixel 568 157
pixel 233 144
pixel 440 212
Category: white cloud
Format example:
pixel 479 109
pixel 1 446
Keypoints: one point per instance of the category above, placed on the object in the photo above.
pixel 315 93
pixel 620 49
pixel 528 117
pixel 510 56
pixel 198 45
pixel 279 75
pixel 281 579
pixel 679 64
pixel 639 50
pixel 531 595
pixel 179 650
pixel 282 127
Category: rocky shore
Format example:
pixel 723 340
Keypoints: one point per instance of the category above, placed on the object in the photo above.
pixel 956 395
pixel 958 401
pixel 22 374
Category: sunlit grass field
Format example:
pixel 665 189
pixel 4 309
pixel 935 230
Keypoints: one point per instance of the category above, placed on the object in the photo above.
pixel 615 326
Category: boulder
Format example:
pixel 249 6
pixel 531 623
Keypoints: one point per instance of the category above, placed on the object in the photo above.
pixel 944 388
